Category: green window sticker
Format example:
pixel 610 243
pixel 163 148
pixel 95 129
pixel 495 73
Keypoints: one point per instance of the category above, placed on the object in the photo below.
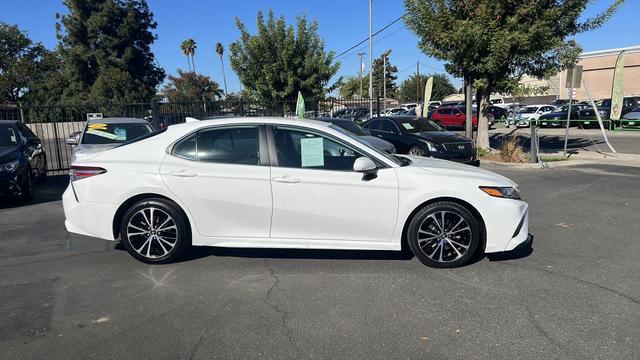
pixel 408 126
pixel 312 152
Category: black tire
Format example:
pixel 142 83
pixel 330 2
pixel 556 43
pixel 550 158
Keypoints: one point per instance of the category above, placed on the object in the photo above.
pixel 43 174
pixel 415 151
pixel 26 193
pixel 444 244
pixel 148 247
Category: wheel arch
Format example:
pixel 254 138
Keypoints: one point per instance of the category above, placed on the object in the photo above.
pixel 122 209
pixel 466 205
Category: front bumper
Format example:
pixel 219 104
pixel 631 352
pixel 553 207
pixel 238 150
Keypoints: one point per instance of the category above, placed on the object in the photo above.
pixel 506 223
pixel 11 183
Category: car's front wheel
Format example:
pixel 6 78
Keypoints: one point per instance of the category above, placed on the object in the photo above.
pixel 415 151
pixel 155 231
pixel 443 235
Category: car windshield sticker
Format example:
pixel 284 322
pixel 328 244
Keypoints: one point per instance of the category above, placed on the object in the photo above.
pixel 312 152
pixel 103 134
pixel 121 134
pixel 12 136
pixel 98 126
pixel 408 126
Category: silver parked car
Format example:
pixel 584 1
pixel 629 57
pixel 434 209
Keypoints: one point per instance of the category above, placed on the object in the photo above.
pixel 103 134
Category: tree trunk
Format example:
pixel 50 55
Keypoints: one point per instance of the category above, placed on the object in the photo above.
pixel 194 63
pixel 482 140
pixel 188 63
pixel 224 77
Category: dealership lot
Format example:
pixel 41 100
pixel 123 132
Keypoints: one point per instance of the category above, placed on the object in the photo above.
pixel 576 295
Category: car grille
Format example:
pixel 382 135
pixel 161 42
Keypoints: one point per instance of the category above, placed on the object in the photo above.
pixel 458 147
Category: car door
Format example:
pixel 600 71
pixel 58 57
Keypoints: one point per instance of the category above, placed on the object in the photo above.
pixel 457 118
pixel 318 197
pixel 222 176
pixel 445 117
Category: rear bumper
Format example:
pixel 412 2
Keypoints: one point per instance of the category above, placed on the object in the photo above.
pixel 87 218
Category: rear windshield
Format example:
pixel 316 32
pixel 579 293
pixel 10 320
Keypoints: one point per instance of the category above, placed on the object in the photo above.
pixel 100 133
pixel 351 127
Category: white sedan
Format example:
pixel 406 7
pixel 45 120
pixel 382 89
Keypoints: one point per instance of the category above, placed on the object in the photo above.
pixel 278 183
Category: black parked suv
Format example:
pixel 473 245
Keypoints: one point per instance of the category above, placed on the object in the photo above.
pixel 604 108
pixel 22 159
pixel 422 137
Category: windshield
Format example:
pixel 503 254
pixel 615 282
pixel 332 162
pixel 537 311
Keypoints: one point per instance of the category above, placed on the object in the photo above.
pixel 603 103
pixel 100 133
pixel 368 145
pixel 529 110
pixel 8 135
pixel 419 125
pixel 351 127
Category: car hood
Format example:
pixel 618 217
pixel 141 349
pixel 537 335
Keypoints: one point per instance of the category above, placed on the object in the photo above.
pixel 441 137
pixel 8 153
pixel 553 115
pixel 453 169
pixel 381 144
pixel 632 116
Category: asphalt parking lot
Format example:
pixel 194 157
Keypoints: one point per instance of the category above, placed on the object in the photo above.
pixel 576 295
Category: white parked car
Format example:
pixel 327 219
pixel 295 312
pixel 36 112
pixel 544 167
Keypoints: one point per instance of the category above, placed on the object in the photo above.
pixel 394 111
pixel 278 183
pixel 531 112
pixel 102 134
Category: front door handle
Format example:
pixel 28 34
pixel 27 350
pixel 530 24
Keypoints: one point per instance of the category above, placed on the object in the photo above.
pixel 183 173
pixel 286 180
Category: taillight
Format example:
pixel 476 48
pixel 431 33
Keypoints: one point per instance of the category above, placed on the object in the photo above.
pixel 83 172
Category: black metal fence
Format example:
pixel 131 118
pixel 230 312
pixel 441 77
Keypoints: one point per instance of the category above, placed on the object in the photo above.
pixel 54 124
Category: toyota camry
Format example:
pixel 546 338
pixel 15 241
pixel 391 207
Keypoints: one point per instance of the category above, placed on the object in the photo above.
pixel 283 183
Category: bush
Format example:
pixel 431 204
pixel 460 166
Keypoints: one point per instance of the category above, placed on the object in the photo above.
pixel 511 151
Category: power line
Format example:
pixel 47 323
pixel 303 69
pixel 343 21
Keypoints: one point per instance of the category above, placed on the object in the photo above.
pixel 367 39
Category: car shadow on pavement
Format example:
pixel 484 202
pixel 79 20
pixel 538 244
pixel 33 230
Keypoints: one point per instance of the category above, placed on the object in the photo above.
pixel 43 192
pixel 547 142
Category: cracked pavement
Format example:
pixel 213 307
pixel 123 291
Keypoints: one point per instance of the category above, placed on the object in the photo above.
pixel 576 296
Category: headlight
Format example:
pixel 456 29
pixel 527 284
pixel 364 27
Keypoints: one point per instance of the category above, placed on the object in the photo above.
pixel 502 192
pixel 432 147
pixel 10 166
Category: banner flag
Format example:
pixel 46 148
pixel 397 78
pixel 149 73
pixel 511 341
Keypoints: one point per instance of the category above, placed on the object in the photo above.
pixel 617 88
pixel 300 106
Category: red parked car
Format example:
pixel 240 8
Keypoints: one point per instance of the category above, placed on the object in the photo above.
pixel 452 116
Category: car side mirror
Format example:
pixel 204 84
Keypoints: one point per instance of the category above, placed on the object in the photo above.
pixel 367 167
pixel 71 141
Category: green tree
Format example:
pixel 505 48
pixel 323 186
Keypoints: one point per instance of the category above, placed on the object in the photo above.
pixel 378 74
pixel 28 71
pixel 220 52
pixel 492 43
pixel 191 87
pixel 105 40
pixel 350 87
pixel 278 61
pixel 412 88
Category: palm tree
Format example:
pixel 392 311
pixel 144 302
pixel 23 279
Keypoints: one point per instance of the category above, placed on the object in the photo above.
pixel 189 49
pixel 220 52
pixel 184 46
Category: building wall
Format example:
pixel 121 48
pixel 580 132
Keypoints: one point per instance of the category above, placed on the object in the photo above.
pixel 598 69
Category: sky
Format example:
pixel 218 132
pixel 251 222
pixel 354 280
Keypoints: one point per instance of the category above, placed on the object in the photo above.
pixel 342 24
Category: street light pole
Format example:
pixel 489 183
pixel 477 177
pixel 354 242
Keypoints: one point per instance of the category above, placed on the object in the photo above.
pixel 370 59
pixel 385 55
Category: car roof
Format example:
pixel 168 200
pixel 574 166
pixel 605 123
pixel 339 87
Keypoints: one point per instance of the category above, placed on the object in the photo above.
pixel 9 121
pixel 117 120
pixel 251 120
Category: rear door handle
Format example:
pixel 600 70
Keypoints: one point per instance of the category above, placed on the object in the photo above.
pixel 183 173
pixel 286 180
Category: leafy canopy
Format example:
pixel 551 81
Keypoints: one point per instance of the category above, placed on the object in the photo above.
pixel 278 61
pixel 413 90
pixel 106 48
pixel 378 74
pixel 350 86
pixel 191 87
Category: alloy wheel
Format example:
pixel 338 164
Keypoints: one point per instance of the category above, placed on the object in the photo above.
pixel 444 236
pixel 152 232
pixel 415 151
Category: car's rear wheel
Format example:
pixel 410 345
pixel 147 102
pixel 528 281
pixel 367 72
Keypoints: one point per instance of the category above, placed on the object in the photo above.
pixel 155 231
pixel 415 151
pixel 443 235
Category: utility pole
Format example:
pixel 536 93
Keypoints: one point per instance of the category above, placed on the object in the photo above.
pixel 385 55
pixel 361 55
pixel 418 81
pixel 370 59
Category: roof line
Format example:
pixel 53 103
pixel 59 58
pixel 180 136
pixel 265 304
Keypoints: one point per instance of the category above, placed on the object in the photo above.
pixel 606 52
